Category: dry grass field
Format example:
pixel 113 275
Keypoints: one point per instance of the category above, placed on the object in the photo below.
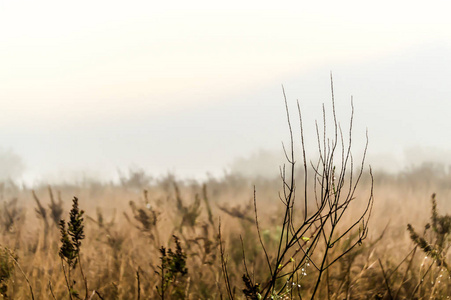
pixel 126 226
pixel 329 229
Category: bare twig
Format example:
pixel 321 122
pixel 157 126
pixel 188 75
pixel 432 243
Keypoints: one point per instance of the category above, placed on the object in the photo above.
pixel 21 271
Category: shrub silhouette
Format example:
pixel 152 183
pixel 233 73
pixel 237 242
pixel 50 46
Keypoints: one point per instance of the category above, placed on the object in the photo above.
pixel 308 234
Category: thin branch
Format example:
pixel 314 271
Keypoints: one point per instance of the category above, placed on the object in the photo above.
pixel 385 280
pixel 224 264
pixel 23 273
pixel 259 235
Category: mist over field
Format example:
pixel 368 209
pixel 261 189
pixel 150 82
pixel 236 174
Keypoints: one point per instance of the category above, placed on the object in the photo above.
pixel 192 90
pixel 400 98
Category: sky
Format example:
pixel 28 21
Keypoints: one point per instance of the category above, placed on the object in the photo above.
pixel 88 88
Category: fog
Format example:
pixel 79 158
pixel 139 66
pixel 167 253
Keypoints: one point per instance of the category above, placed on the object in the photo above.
pixel 197 91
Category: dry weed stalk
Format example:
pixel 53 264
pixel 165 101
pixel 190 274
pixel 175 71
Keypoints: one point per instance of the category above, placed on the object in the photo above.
pixel 71 238
pixel 436 247
pixel 11 215
pixel 147 218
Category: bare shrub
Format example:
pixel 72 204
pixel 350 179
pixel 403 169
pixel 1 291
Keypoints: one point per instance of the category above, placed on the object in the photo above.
pixel 310 232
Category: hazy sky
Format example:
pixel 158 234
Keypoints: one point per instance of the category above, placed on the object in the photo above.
pixel 187 86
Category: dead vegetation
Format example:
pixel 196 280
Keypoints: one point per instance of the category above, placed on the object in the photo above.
pixel 312 238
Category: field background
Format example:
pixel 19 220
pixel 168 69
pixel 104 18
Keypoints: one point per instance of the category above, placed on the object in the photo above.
pixel 119 244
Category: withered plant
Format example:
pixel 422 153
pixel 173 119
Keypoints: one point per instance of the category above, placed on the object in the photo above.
pixel 146 217
pixel 435 243
pixel 310 229
pixel 189 213
pixel 11 216
pixel 71 238
pixel 242 212
pixel 6 270
pixel 172 272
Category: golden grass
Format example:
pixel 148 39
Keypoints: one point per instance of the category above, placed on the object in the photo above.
pixel 116 250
